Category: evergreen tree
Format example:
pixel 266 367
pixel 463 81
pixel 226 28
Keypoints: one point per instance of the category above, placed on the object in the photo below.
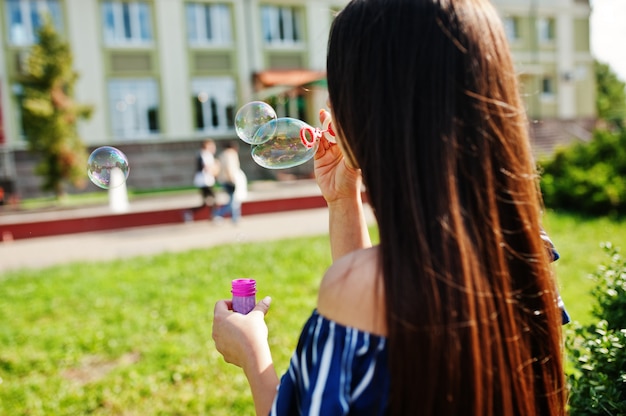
pixel 50 115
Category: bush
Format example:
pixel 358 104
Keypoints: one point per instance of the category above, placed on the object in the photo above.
pixel 588 178
pixel 598 351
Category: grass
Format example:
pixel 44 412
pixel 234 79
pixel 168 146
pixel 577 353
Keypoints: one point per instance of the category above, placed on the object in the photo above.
pixel 133 337
pixel 95 198
pixel 578 240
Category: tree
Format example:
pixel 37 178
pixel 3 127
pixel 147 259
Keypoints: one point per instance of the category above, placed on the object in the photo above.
pixel 611 96
pixel 590 178
pixel 50 115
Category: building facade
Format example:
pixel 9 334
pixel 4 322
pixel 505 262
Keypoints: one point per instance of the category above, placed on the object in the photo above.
pixel 164 74
pixel 550 41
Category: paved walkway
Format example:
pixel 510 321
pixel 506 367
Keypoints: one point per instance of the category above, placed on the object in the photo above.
pixel 147 240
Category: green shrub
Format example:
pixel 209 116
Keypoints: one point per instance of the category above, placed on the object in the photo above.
pixel 588 178
pixel 598 351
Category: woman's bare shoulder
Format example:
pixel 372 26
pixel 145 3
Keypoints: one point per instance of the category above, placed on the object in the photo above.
pixel 351 292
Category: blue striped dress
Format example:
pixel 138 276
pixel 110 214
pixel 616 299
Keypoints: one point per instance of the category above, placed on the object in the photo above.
pixel 555 256
pixel 335 370
pixel 339 370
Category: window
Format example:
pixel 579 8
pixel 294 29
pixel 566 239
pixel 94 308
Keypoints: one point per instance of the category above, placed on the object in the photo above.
pixel 2 138
pixel 134 106
pixel 547 88
pixel 208 23
pixel 25 17
pixel 511 28
pixel 214 103
pixel 546 28
pixel 126 22
pixel 289 106
pixel 281 24
pixel 18 96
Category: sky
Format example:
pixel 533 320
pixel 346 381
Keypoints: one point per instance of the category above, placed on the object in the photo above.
pixel 608 34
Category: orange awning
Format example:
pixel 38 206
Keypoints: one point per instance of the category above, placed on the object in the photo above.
pixel 288 77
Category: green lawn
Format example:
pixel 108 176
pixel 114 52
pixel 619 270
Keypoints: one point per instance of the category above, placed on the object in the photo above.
pixel 133 337
pixel 578 241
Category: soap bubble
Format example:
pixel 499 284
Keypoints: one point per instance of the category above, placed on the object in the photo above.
pixel 250 118
pixel 107 167
pixel 281 144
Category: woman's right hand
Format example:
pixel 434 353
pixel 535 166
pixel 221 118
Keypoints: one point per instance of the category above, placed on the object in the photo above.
pixel 334 177
pixel 241 339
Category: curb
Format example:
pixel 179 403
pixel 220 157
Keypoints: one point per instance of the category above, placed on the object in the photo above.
pixel 88 223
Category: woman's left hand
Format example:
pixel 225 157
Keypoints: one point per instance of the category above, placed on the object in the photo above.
pixel 242 340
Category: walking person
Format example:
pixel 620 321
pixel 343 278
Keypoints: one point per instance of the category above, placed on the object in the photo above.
pixel 455 311
pixel 228 178
pixel 204 178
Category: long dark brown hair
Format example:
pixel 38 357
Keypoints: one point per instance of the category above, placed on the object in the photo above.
pixel 425 94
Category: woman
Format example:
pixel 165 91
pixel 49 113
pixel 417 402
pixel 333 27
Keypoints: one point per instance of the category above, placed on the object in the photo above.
pixel 204 178
pixel 228 177
pixel 455 311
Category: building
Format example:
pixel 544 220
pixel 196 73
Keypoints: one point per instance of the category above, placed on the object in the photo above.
pixel 550 41
pixel 164 74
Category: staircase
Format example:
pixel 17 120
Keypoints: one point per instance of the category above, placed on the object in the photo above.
pixel 546 136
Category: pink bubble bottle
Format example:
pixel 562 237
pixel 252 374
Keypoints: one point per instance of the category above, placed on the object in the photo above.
pixel 244 295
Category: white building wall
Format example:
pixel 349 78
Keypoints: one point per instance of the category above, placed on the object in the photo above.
pixel 85 42
pixel 175 103
pixel 565 66
pixel 4 91
pixel 84 29
pixel 11 131
pixel 318 14
pixel 246 55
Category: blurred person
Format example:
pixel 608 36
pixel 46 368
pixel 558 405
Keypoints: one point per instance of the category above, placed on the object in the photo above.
pixel 228 178
pixel 241 192
pixel 204 178
pixel 456 310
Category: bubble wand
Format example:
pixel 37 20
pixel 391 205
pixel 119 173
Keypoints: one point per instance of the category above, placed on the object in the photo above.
pixel 316 133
